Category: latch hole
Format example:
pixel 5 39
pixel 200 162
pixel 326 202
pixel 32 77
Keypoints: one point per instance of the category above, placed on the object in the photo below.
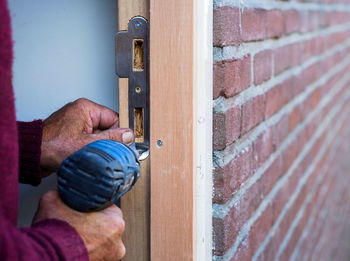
pixel 139 125
pixel 138 51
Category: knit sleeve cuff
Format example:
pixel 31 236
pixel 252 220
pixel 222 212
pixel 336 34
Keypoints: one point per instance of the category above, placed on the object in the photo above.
pixel 29 138
pixel 59 237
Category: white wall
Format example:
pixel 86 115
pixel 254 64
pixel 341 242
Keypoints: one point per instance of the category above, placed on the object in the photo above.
pixel 63 50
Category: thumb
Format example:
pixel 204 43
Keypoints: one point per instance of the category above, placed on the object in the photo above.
pixel 118 134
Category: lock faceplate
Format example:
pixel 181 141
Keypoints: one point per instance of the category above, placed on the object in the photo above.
pixel 132 62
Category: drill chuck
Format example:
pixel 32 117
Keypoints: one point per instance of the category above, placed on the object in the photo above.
pixel 97 175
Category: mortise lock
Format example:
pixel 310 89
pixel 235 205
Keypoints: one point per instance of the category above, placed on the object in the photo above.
pixel 132 62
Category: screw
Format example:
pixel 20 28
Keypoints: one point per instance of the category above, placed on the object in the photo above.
pixel 159 143
pixel 138 25
pixel 138 89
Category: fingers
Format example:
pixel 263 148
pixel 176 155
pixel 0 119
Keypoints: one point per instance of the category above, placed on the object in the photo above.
pixel 50 200
pixel 121 251
pixel 115 216
pixel 120 134
pixel 103 117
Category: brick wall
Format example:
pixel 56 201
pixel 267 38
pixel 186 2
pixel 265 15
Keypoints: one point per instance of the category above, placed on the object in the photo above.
pixel 281 130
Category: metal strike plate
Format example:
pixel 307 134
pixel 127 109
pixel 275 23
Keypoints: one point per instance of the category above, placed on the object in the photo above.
pixel 132 61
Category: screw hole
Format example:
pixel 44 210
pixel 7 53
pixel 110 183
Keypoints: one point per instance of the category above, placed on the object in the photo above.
pixel 138 89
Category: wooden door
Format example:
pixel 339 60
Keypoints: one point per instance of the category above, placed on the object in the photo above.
pixel 136 203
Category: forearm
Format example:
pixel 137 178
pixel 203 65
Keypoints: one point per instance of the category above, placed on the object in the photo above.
pixel 29 140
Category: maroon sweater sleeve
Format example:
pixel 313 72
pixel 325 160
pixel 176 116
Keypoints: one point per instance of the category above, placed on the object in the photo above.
pixel 29 139
pixel 47 240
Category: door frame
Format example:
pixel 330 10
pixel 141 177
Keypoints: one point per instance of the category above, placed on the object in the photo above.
pixel 181 117
pixel 181 87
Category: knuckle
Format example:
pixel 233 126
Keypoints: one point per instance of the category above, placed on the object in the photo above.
pixel 118 225
pixel 114 134
pixel 118 211
pixel 121 225
pixel 81 102
pixel 121 251
pixel 111 135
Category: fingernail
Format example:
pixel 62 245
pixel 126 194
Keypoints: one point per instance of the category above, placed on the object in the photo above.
pixel 128 137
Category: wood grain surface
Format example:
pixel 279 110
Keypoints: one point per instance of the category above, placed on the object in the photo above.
pixel 136 203
pixel 171 72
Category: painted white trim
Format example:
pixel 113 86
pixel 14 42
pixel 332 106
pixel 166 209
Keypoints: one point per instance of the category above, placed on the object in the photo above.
pixel 202 127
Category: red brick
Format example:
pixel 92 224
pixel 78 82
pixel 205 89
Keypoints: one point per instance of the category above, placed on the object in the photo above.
pixel 232 77
pixel 306 78
pixel 273 100
pixel 226 127
pixel 286 57
pixel 275 24
pixel 282 59
pixel 219 131
pixel 316 46
pixel 233 124
pixel 241 168
pixel 262 66
pixel 291 21
pixel 281 130
pixel 250 201
pixel 263 147
pixel 260 228
pixel 226 229
pixel 219 237
pixel 290 154
pixel 295 117
pixel 336 17
pixel 218 79
pixel 271 175
pixel 292 86
pixel 228 179
pixel 315 98
pixel 277 97
pixel 309 21
pixel 306 50
pixel 219 186
pixel 252 113
pixel 253 24
pixel 226 26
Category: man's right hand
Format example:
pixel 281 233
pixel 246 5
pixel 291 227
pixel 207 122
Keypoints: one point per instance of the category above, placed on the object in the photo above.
pixel 101 231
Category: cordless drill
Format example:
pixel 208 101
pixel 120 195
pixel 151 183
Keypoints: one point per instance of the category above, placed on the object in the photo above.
pixel 100 173
pixel 97 175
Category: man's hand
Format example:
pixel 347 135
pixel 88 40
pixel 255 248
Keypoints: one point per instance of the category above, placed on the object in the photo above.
pixel 75 125
pixel 101 231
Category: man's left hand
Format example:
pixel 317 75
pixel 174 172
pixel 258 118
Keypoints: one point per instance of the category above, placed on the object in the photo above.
pixel 75 125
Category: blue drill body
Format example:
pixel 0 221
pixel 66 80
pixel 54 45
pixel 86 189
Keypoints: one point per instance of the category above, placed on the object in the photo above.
pixel 97 175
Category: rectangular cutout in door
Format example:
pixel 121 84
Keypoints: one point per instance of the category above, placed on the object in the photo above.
pixel 139 125
pixel 138 52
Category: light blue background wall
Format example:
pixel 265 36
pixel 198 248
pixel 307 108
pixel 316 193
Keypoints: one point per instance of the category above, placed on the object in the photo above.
pixel 63 50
